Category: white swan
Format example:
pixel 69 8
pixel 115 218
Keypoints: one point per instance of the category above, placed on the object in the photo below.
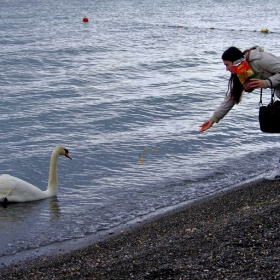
pixel 13 189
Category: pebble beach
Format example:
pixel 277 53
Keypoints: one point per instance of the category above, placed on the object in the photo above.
pixel 233 235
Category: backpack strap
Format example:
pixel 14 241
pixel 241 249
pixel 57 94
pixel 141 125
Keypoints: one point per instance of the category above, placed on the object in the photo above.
pixel 272 93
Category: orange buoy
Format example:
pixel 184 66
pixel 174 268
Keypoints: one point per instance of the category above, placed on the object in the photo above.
pixel 85 19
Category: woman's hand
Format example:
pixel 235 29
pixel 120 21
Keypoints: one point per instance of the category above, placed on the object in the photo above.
pixel 206 125
pixel 256 83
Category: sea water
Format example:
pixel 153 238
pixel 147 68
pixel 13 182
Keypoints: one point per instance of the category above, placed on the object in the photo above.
pixel 125 93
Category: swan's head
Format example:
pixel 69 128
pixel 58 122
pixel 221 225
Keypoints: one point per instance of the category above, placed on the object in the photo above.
pixel 62 151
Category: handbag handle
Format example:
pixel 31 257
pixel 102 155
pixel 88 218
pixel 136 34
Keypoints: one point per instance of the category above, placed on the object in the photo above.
pixel 272 93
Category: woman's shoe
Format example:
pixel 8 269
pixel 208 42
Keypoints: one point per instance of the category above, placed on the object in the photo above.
pixel 275 175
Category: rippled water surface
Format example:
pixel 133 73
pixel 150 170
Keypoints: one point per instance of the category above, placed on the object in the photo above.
pixel 135 82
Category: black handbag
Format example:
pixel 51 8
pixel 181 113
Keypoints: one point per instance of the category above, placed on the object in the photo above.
pixel 269 116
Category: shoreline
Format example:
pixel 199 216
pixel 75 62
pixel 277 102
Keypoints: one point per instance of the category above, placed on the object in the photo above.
pixel 67 246
pixel 213 237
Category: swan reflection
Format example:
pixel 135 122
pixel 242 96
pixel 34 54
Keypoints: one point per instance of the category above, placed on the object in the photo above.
pixel 18 212
pixel 54 208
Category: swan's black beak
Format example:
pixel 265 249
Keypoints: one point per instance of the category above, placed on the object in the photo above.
pixel 67 154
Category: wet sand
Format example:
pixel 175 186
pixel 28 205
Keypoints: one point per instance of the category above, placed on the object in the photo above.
pixel 234 235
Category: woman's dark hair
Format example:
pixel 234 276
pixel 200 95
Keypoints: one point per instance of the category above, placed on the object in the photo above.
pixel 235 88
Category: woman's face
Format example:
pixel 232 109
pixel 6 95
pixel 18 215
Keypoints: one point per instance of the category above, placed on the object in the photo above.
pixel 228 65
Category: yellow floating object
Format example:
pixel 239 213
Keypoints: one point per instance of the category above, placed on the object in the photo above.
pixel 156 150
pixel 264 30
pixel 141 160
pixel 145 150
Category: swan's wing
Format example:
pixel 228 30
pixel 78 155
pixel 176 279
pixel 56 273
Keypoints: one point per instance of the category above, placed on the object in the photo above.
pixel 17 190
pixel 6 185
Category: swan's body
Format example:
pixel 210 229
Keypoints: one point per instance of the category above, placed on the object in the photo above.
pixel 13 189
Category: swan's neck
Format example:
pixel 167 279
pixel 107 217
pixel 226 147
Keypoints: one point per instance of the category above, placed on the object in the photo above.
pixel 53 182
